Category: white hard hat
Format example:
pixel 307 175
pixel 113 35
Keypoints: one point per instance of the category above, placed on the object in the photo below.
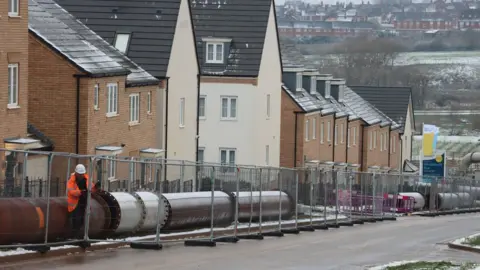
pixel 80 169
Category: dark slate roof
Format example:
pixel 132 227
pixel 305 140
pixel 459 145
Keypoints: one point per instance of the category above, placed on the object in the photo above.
pixel 244 21
pixel 151 23
pixel 393 101
pixel 80 45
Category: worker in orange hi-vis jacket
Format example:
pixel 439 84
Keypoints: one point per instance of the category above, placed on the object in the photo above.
pixel 77 198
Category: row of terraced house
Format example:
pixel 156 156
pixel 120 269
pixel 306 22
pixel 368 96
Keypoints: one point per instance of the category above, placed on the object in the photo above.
pixel 186 80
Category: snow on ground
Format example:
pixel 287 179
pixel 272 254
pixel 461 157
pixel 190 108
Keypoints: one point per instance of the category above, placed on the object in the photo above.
pixel 463 241
pixel 20 251
pixel 455 266
pixel 381 267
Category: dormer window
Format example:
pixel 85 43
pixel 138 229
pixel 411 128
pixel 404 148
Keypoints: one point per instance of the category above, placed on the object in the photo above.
pixel 121 42
pixel 215 52
pixel 327 89
pixel 299 81
pixel 313 84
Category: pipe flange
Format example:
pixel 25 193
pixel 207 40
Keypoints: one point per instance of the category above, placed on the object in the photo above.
pixel 113 203
pixel 143 214
pixel 167 210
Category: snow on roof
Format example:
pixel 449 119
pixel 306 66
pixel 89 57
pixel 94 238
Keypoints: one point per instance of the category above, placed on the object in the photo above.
pixel 84 48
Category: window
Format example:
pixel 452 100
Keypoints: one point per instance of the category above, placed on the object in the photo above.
pixel 267 154
pixel 229 108
pixel 381 141
pixel 375 139
pixel 13 7
pixel 149 102
pixel 215 53
pixel 329 132
pixel 306 130
pixel 112 168
pixel 201 107
pixel 182 112
pixel 370 143
pixel 354 135
pixel 201 155
pixel 227 158
pixel 385 140
pixel 321 132
pixel 348 137
pixel 393 144
pixel 313 84
pixel 12 85
pixel 314 128
pixel 134 108
pixel 299 81
pixel 342 133
pixel 268 106
pixel 96 89
pixel 112 99
pixel 336 134
pixel 121 42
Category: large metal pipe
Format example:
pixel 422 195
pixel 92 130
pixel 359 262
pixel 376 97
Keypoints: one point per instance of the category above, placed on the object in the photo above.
pixel 23 220
pixel 467 160
pixel 270 205
pixel 419 200
pixel 192 209
pixel 131 212
pixel 149 203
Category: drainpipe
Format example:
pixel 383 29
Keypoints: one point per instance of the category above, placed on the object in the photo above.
pixel 77 113
pixel 347 140
pixel 334 134
pixel 401 155
pixel 295 133
pixel 388 150
pixel 166 127
pixel 197 137
pixel 362 145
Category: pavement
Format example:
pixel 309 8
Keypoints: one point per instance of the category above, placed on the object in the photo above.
pixel 408 238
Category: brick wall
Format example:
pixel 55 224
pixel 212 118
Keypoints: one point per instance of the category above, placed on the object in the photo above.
pixel 354 142
pixel 341 140
pixel 287 132
pixel 326 145
pixel 13 50
pixel 395 150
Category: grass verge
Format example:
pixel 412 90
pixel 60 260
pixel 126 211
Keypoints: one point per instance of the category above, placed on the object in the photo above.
pixel 439 265
pixel 472 241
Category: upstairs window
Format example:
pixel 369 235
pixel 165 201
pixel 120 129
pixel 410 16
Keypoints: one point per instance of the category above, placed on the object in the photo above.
pixel 201 107
pixel 149 102
pixel 121 42
pixel 134 108
pixel 215 53
pixel 96 91
pixel 13 7
pixel 112 99
pixel 227 158
pixel 229 108
pixel 182 112
pixel 12 85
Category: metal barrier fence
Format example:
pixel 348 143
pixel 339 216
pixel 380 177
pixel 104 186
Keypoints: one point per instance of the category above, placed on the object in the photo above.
pixel 148 202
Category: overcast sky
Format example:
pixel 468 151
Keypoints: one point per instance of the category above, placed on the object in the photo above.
pixel 281 2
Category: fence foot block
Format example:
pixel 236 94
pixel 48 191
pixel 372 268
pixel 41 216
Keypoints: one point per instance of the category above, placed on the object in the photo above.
pixel 200 243
pixel 370 220
pixel 379 219
pixel 251 237
pixel 40 249
pixel 346 223
pixel 320 227
pixel 336 226
pixel 290 231
pixel 306 229
pixel 274 234
pixel 358 222
pixel 227 239
pixel 390 218
pixel 150 246
pixel 83 244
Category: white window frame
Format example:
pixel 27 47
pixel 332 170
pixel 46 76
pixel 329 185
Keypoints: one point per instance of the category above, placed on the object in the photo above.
pixel 96 96
pixel 394 142
pixel 204 116
pixel 336 134
pixel 314 128
pixel 322 132
pixel 112 99
pixel 134 108
pixel 13 71
pixel 229 108
pixel 342 133
pixel 329 131
pixel 268 106
pixel 214 46
pixel 149 102
pixel 370 141
pixel 375 139
pixel 228 162
pixel 181 113
pixel 307 123
pixel 385 141
pixel 348 137
pixel 112 168
pixel 381 142
pixel 299 81
pixel 125 42
pixel 13 8
pixel 354 136
pixel 202 151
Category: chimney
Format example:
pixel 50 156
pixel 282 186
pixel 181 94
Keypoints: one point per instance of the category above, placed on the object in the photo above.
pixel 338 89
pixel 310 80
pixel 323 84
pixel 292 77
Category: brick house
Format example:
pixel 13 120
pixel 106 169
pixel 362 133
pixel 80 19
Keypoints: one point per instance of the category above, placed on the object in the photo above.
pixel 89 98
pixel 323 120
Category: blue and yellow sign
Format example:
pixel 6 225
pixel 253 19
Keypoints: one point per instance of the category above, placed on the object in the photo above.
pixel 434 166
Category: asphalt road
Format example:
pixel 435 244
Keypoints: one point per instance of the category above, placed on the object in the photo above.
pixel 409 238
